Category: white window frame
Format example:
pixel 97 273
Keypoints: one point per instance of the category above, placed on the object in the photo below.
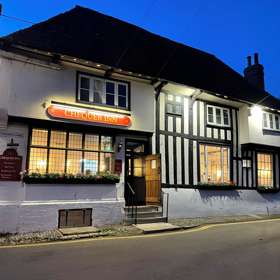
pixel 92 79
pixel 215 117
pixel 222 161
pixel 267 116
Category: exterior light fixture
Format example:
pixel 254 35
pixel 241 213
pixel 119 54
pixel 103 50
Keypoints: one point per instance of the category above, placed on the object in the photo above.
pixel 120 146
pixel 255 110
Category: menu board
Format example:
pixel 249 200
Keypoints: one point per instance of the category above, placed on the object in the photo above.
pixel 10 165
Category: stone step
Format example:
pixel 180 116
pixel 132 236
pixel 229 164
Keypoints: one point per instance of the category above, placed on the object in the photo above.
pixel 157 227
pixel 130 221
pixel 144 208
pixel 78 230
pixel 152 214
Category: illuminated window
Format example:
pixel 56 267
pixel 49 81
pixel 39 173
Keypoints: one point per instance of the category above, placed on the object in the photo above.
pixel 218 116
pixel 271 121
pixel 265 170
pixel 214 164
pixel 101 91
pixel 54 151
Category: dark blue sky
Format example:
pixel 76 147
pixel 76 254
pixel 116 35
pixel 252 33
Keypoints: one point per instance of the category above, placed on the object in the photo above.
pixel 229 29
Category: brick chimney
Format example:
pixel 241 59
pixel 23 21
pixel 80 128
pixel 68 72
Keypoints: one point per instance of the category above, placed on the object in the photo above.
pixel 253 73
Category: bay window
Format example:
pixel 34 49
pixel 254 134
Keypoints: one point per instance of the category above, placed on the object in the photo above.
pixel 55 151
pixel 265 169
pixel 101 91
pixel 214 164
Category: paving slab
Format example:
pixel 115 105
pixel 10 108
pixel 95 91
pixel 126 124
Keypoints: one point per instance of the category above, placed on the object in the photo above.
pixel 156 227
pixel 78 230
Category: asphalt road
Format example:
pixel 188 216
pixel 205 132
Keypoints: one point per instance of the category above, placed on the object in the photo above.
pixel 240 251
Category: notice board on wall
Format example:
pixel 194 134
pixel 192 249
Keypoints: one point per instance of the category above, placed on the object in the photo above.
pixel 10 165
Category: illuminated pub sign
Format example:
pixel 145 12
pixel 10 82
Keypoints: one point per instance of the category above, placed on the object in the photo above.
pixel 87 115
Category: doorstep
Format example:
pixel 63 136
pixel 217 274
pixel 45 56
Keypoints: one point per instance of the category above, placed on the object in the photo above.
pixel 78 230
pixel 157 227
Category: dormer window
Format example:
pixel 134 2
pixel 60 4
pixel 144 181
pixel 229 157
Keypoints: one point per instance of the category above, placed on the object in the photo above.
pixel 99 91
pixel 271 121
pixel 218 116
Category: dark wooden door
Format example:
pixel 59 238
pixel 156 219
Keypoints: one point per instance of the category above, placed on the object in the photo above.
pixel 153 181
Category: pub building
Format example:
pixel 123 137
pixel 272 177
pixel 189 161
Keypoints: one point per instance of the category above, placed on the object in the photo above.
pixel 102 122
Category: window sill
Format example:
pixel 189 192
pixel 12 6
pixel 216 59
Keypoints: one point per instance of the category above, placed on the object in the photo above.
pixel 218 126
pixel 70 180
pixel 215 187
pixel 271 132
pixel 267 190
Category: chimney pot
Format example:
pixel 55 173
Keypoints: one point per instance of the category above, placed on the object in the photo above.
pixel 256 58
pixel 249 60
pixel 254 74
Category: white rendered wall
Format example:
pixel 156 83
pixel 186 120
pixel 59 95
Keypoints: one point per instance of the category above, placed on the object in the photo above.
pixel 41 216
pixel 251 128
pixel 191 203
pixel 34 87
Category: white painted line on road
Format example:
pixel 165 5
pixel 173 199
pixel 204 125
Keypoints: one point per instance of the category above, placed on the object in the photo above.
pixel 198 229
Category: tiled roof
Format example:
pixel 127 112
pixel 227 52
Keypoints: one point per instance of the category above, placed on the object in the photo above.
pixel 89 35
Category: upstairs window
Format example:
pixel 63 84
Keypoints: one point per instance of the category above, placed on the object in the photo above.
pixel 218 116
pixel 271 121
pixel 100 91
pixel 174 105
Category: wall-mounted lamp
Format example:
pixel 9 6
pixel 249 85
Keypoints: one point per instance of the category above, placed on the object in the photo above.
pixel 255 110
pixel 120 144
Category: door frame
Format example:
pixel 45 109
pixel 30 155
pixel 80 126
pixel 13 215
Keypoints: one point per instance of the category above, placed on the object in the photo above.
pixel 147 149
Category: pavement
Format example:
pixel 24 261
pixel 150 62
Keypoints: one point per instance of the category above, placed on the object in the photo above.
pixel 122 230
pixel 241 250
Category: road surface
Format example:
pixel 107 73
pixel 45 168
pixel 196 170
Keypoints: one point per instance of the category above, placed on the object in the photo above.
pixel 233 251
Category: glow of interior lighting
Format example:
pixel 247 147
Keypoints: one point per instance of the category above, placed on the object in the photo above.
pixel 42 163
pixel 98 65
pixel 219 174
pixel 75 59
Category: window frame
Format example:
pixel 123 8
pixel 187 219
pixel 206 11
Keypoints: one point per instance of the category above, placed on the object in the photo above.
pixel 222 109
pixel 266 121
pixel 171 100
pixel 66 149
pixel 272 169
pixel 116 83
pixel 229 162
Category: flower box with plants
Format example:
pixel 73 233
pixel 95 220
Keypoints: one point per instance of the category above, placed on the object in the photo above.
pixel 55 178
pixel 216 186
pixel 267 189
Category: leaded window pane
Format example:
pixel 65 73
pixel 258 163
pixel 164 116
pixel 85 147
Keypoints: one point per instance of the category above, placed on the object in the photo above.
pixel 74 162
pixel 90 163
pixel 92 142
pixel 58 139
pixel 39 137
pixel 75 140
pixel 38 160
pixel 265 170
pixel 106 143
pixel 56 161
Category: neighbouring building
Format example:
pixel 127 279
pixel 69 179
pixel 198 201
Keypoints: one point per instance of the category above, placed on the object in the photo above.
pixel 100 116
